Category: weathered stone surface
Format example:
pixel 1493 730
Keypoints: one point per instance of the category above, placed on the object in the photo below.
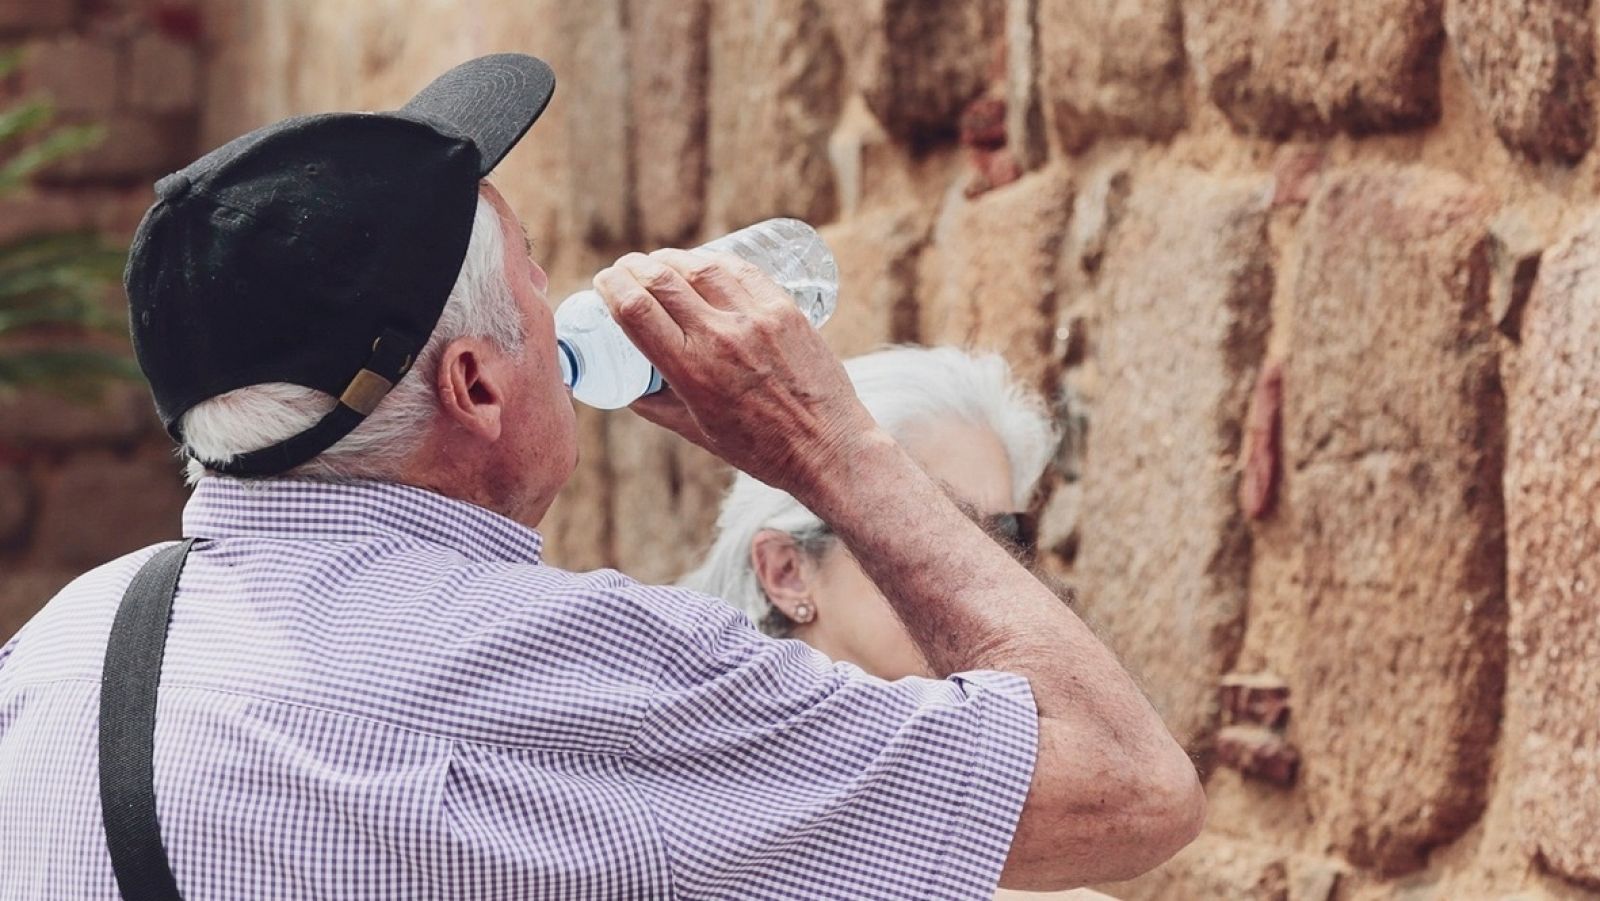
pixel 991 279
pixel 600 178
pixel 1111 68
pixel 1025 122
pixel 1279 67
pixel 1257 699
pixel 667 96
pixel 163 74
pixel 1531 67
pixel 1214 867
pixel 776 91
pixel 1515 251
pixel 1262 454
pixel 1553 518
pixel 1259 753
pixel 1164 557
pixel 1229 869
pixel 1395 476
pixel 917 62
pixel 36 419
pixel 877 255
pixel 102 505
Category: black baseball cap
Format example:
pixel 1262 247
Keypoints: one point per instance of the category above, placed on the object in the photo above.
pixel 320 250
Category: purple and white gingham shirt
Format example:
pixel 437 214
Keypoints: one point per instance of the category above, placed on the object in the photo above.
pixel 374 691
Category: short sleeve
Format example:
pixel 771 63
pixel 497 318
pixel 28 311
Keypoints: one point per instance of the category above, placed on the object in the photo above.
pixel 775 773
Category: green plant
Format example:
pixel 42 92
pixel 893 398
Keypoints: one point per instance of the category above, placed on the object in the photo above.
pixel 52 285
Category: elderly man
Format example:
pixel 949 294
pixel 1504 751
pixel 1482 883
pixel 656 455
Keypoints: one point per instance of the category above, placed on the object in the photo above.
pixel 356 677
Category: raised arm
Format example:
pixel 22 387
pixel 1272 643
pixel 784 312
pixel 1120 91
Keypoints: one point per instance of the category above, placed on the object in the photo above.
pixel 1112 793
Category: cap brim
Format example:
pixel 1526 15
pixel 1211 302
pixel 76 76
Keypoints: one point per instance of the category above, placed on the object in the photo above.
pixel 491 101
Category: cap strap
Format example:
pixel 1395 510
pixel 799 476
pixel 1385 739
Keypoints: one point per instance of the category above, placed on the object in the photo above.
pixel 392 356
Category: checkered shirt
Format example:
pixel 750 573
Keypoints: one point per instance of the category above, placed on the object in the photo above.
pixel 374 691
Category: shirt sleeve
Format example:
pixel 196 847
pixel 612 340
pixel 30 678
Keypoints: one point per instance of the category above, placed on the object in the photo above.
pixel 775 773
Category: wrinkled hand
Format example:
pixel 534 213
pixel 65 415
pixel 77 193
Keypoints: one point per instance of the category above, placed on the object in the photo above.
pixel 751 380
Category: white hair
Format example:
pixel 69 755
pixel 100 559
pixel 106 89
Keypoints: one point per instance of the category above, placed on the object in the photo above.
pixel 903 388
pixel 480 305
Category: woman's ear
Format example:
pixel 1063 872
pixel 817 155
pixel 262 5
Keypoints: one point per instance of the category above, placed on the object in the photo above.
pixel 784 572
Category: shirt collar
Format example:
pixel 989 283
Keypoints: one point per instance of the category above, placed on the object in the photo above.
pixel 345 511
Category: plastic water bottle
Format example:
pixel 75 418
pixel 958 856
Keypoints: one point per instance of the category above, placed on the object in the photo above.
pixel 605 370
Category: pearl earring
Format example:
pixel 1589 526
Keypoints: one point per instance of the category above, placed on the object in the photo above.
pixel 802 613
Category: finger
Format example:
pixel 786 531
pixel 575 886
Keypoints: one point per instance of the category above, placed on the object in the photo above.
pixel 641 316
pixel 670 289
pixel 710 274
pixel 751 279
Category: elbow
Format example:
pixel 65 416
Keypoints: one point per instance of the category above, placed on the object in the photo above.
pixel 1165 815
pixel 1181 806
pixel 1123 815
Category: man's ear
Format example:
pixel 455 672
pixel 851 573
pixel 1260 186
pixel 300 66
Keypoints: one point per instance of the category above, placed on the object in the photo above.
pixel 784 572
pixel 469 387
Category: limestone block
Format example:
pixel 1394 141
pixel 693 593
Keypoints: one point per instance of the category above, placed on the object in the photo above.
pixel 667 102
pixel 1111 68
pixel 1259 753
pixel 596 85
pixel 1280 66
pixel 1214 867
pixel 1393 436
pixel 102 505
pixel 1025 125
pixel 877 255
pixel 1531 67
pixel 163 74
pixel 917 62
pixel 1163 562
pixel 777 86
pixel 991 281
pixel 1552 491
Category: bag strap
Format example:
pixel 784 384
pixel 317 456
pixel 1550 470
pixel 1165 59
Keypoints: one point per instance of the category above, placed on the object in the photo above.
pixel 128 683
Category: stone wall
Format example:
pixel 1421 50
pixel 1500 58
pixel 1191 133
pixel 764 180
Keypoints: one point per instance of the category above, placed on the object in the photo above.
pixel 1312 282
pixel 83 482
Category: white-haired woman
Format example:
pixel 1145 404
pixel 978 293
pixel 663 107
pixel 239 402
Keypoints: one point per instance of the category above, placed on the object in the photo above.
pixel 966 421
pixel 970 425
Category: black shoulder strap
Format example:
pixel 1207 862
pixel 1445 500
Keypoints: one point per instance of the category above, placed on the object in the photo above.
pixel 127 729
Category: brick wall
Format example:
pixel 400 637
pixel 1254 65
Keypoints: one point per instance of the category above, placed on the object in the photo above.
pixel 1314 281
pixel 81 483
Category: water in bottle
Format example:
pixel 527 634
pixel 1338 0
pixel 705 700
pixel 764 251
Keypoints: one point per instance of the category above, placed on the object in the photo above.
pixel 605 370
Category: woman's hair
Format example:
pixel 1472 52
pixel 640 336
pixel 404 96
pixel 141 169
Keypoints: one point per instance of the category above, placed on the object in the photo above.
pixel 903 388
pixel 480 305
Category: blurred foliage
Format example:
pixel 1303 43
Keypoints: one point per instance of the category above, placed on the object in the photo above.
pixel 52 285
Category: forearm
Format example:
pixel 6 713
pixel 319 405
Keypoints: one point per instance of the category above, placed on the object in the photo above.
pixel 967 603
